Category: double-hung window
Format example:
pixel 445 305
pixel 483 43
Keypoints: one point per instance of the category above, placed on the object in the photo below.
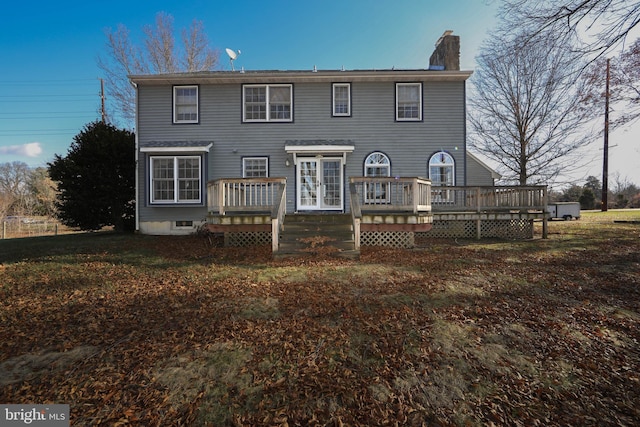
pixel 255 167
pixel 408 101
pixel 341 99
pixel 176 179
pixel 185 104
pixel 267 103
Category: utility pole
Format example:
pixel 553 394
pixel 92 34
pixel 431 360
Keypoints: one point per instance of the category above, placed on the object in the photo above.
pixel 605 164
pixel 104 113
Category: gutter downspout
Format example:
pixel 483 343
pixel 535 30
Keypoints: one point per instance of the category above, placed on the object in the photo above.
pixel 136 154
pixel 464 130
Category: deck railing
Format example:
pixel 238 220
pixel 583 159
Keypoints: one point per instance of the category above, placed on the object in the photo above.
pixel 482 199
pixel 242 196
pixel 251 195
pixel 245 195
pixel 402 194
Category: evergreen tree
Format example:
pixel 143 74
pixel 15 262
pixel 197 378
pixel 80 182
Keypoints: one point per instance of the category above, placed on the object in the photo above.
pixel 96 179
pixel 587 199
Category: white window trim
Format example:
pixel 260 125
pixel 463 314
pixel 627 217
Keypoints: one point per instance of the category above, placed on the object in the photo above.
pixel 420 93
pixel 370 188
pixel 441 195
pixel 176 189
pixel 266 159
pixel 175 110
pixel 267 105
pixel 333 99
pixel 183 227
pixel 451 164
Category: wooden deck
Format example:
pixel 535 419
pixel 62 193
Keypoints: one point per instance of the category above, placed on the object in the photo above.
pixel 383 205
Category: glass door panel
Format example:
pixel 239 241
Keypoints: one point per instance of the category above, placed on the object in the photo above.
pixel 332 184
pixel 319 184
pixel 308 184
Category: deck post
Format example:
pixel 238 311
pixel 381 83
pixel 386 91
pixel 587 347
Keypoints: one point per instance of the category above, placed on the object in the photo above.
pixel 545 217
pixel 416 195
pixel 221 197
pixel 275 234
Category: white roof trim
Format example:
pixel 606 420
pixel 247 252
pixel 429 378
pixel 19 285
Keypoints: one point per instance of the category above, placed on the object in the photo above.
pixel 319 148
pixel 192 149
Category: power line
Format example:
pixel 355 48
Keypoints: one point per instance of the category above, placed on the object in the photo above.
pixel 21 113
pixel 43 82
pixel 45 118
pixel 50 100
pixel 37 130
pixel 41 134
pixel 53 95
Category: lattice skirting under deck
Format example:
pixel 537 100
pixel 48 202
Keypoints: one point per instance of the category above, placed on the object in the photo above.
pixel 247 238
pixel 514 229
pixel 396 239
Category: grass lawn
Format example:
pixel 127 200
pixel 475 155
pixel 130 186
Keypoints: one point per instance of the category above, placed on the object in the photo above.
pixel 167 331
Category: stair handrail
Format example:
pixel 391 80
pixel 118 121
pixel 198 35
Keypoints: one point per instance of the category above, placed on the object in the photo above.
pixel 278 211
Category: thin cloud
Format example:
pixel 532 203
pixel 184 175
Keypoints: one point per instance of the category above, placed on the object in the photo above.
pixel 32 149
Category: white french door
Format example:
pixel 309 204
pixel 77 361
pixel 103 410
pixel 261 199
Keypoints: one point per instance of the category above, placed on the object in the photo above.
pixel 319 183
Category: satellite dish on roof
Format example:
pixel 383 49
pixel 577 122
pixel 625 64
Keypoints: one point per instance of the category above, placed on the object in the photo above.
pixel 232 56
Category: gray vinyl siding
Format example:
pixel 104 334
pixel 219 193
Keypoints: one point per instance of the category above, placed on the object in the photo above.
pixel 371 127
pixel 477 173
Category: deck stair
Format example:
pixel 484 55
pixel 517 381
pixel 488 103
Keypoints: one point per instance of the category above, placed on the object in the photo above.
pixel 316 234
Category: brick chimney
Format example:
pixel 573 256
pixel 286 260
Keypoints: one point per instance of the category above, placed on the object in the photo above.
pixel 447 53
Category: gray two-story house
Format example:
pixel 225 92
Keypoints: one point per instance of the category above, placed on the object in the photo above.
pixel 312 133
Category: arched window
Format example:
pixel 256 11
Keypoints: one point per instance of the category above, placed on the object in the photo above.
pixel 377 165
pixel 442 169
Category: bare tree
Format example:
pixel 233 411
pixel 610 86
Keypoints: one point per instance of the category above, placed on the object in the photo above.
pixel 597 26
pixel 526 111
pixel 26 191
pixel 158 54
pixel 13 188
pixel 624 85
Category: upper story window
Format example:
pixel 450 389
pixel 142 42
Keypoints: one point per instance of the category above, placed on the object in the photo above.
pixel 176 179
pixel 267 103
pixel 408 101
pixel 377 165
pixel 341 99
pixel 185 104
pixel 442 169
pixel 255 167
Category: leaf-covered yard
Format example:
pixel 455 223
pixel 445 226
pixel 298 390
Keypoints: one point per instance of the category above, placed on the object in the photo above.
pixel 169 331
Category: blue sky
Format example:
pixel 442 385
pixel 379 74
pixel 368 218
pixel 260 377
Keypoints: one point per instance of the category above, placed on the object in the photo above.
pixel 49 80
